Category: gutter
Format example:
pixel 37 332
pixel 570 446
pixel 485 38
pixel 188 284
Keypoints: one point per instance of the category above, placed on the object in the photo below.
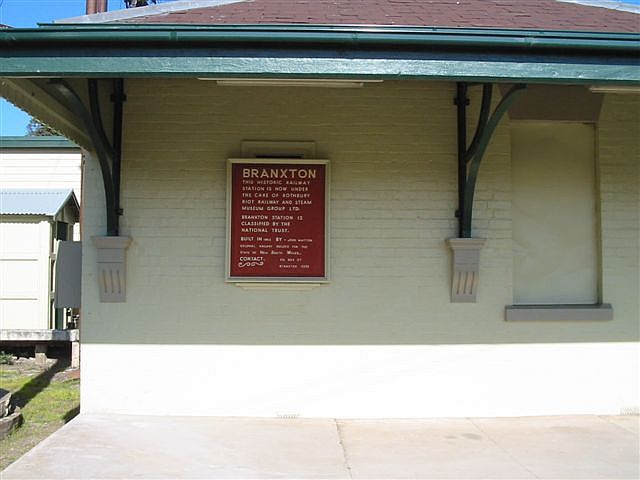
pixel 346 36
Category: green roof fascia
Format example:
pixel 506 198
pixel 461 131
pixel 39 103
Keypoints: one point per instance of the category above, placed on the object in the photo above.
pixel 330 68
pixel 36 142
pixel 271 51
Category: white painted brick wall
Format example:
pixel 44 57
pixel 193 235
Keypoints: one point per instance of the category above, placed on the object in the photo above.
pixel 393 195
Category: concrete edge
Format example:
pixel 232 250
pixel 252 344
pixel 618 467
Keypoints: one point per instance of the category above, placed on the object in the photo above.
pixel 43 445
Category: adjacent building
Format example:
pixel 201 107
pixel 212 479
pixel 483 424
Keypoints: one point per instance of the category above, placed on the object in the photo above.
pixel 40 181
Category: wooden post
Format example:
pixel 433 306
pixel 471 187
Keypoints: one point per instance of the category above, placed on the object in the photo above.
pixel 75 354
pixel 41 354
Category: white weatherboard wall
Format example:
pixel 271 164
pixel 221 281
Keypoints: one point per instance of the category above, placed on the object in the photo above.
pixel 382 338
pixel 24 274
pixel 25 241
pixel 35 168
pixel 41 167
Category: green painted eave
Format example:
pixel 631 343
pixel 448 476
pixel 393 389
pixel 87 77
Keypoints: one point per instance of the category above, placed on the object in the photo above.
pixel 270 51
pixel 36 142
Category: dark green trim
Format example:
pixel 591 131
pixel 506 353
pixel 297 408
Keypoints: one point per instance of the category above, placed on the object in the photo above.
pixel 292 27
pixel 101 147
pixel 321 52
pixel 37 142
pixel 321 34
pixel 170 64
pixel 483 119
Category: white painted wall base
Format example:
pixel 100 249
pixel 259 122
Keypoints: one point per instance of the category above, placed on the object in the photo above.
pixel 362 381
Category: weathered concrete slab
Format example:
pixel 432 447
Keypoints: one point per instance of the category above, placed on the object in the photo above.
pixel 448 448
pixel 185 447
pixel 120 446
pixel 568 447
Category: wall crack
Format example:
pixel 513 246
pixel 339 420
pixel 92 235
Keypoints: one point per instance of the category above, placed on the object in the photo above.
pixel 347 465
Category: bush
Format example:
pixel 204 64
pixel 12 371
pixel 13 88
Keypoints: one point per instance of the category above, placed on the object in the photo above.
pixel 6 358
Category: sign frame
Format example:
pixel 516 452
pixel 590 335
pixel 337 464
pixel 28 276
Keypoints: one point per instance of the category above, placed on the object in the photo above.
pixel 277 279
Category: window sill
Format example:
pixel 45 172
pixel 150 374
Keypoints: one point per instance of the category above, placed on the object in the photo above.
pixel 282 286
pixel 559 313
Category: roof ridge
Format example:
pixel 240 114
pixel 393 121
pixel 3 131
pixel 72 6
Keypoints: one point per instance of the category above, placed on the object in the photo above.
pixel 575 15
pixel 158 9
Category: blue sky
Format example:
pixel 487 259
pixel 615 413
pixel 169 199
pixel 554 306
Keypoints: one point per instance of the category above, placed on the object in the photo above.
pixel 28 13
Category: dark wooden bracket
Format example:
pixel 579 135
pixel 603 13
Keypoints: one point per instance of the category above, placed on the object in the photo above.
pixel 108 153
pixel 470 157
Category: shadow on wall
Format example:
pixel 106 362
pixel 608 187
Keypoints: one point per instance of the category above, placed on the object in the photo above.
pixel 335 315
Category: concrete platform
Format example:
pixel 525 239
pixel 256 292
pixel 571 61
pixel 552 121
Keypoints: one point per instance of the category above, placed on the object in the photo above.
pixel 120 446
pixel 38 335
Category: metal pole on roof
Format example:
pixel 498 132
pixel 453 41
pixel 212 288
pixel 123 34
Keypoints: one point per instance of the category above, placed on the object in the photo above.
pixel 96 6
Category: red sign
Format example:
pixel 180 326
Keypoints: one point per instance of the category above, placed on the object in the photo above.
pixel 277 219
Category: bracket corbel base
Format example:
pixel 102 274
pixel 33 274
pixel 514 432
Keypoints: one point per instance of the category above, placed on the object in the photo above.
pixel 466 268
pixel 111 267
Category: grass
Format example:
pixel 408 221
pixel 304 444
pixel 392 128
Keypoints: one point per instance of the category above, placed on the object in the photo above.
pixel 46 403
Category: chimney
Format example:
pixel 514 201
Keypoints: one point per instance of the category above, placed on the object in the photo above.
pixel 96 6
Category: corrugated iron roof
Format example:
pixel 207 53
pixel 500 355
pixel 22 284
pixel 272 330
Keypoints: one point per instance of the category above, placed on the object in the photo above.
pixel 35 142
pixel 31 201
pixel 518 14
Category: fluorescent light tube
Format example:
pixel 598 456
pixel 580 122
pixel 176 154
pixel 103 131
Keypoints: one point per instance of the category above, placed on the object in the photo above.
pixel 628 89
pixel 290 82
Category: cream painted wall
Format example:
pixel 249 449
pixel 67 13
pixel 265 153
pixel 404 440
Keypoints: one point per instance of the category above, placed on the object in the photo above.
pixel 381 339
pixel 619 172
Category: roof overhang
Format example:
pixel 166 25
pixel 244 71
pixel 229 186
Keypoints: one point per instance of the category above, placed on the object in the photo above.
pixel 295 51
